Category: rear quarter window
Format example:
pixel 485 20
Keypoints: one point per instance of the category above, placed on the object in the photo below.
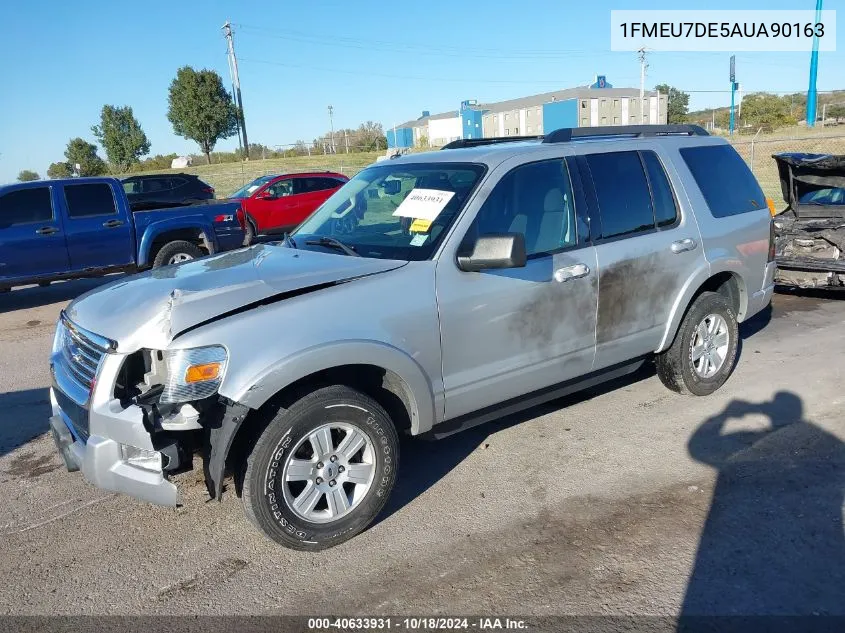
pixel 725 181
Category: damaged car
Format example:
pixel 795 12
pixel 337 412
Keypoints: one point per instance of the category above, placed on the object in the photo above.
pixel 810 232
pixel 429 294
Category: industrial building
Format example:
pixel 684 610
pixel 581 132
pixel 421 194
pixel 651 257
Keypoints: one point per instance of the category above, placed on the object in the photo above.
pixel 597 105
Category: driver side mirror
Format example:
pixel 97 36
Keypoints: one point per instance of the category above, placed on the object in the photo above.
pixel 265 195
pixel 495 250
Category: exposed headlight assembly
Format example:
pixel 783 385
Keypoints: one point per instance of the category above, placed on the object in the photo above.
pixel 193 374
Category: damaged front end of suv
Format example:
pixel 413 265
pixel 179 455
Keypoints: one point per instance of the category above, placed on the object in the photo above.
pixel 810 232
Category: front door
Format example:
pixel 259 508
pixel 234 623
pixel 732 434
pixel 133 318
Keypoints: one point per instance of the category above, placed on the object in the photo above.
pixel 647 250
pixel 509 332
pixel 272 206
pixel 32 240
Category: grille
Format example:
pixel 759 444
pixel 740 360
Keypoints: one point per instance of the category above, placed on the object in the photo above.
pixel 80 354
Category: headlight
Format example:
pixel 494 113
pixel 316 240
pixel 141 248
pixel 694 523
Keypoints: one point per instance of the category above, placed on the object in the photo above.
pixel 193 374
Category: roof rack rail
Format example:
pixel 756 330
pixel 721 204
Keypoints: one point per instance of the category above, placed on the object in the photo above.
pixel 566 134
pixel 473 142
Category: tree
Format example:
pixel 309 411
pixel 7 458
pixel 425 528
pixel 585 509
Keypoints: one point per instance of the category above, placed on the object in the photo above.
pixel 121 136
pixel 59 170
pixel 370 137
pixel 81 152
pixel 761 109
pixel 677 103
pixel 201 109
pixel 27 175
pixel 836 111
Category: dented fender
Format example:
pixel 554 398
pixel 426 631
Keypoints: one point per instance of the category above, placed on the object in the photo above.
pixel 257 390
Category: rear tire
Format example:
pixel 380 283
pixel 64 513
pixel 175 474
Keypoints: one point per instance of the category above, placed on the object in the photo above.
pixel 294 491
pixel 704 352
pixel 176 252
pixel 249 232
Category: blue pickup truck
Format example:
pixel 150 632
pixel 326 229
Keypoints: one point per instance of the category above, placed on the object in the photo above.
pixel 82 227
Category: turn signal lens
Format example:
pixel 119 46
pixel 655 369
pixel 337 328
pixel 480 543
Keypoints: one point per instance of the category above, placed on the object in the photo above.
pixel 771 204
pixel 202 373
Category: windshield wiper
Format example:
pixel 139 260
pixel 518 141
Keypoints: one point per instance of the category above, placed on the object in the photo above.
pixel 333 243
pixel 287 240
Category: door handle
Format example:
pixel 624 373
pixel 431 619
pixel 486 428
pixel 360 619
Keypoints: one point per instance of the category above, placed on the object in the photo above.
pixel 113 223
pixel 47 230
pixel 571 272
pixel 683 245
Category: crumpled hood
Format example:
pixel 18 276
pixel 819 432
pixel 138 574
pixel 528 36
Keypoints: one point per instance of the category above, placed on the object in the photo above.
pixel 149 309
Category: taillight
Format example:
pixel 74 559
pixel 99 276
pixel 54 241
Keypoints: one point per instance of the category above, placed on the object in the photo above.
pixel 771 241
pixel 208 190
pixel 241 220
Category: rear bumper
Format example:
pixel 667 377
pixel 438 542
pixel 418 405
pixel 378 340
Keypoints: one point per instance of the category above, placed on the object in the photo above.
pixel 763 297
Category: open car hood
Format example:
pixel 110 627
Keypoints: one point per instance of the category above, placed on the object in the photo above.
pixel 151 308
pixel 803 173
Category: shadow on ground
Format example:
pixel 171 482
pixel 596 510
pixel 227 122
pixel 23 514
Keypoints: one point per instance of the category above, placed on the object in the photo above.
pixel 23 416
pixel 34 296
pixel 773 540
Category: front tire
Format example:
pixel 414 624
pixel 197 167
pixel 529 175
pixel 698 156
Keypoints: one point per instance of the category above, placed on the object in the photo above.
pixel 704 352
pixel 321 470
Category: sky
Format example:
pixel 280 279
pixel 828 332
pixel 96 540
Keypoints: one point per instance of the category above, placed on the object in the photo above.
pixel 370 60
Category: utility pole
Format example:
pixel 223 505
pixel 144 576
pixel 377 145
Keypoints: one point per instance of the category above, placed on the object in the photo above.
pixel 331 124
pixel 814 70
pixel 239 104
pixel 643 66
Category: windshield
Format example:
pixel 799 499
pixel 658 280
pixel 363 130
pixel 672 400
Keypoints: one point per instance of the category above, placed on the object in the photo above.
pixel 393 211
pixel 247 190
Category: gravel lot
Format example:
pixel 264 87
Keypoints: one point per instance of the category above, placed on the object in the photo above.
pixel 627 499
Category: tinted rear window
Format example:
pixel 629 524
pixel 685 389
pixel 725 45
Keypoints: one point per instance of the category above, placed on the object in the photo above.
pixel 87 200
pixel 728 186
pixel 25 206
pixel 665 209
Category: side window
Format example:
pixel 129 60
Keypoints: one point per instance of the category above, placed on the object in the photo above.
pixel 177 182
pixel 153 185
pixel 131 186
pixel 622 192
pixel 26 206
pixel 533 199
pixel 281 188
pixel 728 186
pixel 89 200
pixel 665 208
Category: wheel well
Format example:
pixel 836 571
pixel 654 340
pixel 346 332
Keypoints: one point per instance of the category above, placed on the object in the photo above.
pixel 194 236
pixel 382 385
pixel 729 286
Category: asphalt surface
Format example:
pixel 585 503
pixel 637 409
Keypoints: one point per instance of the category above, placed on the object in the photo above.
pixel 628 499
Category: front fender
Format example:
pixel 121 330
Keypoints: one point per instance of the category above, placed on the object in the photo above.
pixel 256 390
pixel 157 228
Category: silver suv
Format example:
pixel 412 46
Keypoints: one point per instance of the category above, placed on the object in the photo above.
pixel 431 293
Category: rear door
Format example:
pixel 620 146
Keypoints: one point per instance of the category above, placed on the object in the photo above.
pixel 99 234
pixel 32 241
pixel 647 250
pixel 311 192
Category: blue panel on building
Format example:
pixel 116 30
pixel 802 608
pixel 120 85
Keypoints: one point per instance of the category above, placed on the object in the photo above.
pixel 471 123
pixel 558 114
pixel 404 137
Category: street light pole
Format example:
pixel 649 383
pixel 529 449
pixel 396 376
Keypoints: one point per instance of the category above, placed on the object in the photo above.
pixel 814 70
pixel 331 123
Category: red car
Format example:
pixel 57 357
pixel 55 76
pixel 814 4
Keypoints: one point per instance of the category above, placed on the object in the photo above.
pixel 279 203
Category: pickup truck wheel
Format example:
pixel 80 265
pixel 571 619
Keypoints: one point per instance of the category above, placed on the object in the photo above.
pixel 704 352
pixel 321 470
pixel 176 252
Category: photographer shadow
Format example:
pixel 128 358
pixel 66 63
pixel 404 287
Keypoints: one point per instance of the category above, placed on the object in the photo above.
pixel 773 540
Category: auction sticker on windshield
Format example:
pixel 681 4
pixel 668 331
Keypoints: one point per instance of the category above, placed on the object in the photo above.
pixel 424 204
